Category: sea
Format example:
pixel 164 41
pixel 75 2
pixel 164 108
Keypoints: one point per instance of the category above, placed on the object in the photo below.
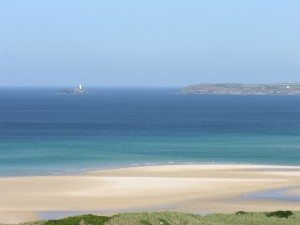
pixel 45 133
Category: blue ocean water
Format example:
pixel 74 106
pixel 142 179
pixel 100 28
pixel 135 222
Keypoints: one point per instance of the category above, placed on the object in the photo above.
pixel 42 132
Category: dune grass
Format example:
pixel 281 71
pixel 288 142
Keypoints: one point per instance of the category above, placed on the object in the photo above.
pixel 174 218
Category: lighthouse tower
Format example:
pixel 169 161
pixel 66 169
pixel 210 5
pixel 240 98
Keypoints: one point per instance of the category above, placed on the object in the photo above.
pixel 80 90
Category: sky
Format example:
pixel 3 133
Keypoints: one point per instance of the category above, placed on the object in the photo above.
pixel 148 43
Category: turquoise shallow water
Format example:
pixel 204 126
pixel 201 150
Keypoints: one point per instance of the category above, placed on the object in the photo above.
pixel 45 133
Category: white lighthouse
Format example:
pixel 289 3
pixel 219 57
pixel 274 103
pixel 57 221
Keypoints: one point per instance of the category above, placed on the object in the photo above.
pixel 80 90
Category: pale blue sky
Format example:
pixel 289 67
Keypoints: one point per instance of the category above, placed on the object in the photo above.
pixel 148 42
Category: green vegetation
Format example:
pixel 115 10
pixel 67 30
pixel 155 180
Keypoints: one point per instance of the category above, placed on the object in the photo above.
pixel 79 220
pixel 280 214
pixel 243 89
pixel 240 213
pixel 173 218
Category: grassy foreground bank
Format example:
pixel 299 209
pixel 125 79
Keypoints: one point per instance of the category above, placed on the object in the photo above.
pixel 174 218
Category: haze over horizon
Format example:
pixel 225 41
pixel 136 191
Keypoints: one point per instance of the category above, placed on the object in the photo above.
pixel 148 43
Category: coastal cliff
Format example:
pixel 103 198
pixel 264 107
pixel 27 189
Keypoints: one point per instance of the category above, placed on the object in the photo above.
pixel 243 89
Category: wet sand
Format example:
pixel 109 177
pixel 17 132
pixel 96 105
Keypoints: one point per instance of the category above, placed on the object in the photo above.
pixel 187 188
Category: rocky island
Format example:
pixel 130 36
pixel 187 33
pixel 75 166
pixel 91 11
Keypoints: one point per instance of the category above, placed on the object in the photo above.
pixel 243 89
pixel 79 90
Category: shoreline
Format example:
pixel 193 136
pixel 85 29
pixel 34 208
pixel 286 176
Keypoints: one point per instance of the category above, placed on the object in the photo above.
pixel 194 188
pixel 84 171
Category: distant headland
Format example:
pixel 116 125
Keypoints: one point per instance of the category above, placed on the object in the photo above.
pixel 243 89
pixel 79 90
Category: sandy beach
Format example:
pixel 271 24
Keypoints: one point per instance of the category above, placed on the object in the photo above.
pixel 186 188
